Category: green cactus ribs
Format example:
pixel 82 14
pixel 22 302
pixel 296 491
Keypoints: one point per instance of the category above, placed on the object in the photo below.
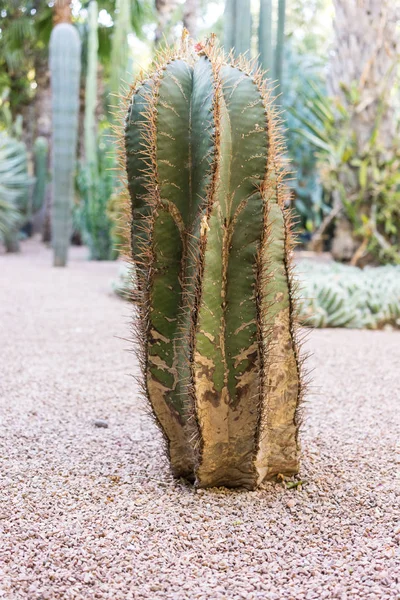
pixel 211 255
pixel 65 66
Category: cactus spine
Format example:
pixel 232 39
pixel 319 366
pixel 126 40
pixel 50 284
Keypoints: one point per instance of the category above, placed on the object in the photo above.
pixel 65 67
pixel 40 154
pixel 211 249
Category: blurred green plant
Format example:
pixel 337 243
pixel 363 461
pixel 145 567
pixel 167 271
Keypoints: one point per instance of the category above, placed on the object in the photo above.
pixel 25 34
pixel 14 190
pixel 40 156
pixel 364 186
pixel 97 179
pixel 335 295
pixel 307 40
pixel 96 192
pixel 303 93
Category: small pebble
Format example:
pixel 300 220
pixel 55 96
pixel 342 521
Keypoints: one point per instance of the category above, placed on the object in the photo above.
pixel 101 423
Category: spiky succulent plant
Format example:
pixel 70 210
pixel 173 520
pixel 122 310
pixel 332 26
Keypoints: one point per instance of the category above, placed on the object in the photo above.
pixel 211 248
pixel 335 295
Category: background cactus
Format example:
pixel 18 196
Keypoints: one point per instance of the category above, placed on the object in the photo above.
pixel 211 250
pixel 265 46
pixel 96 180
pixel 237 26
pixel 335 295
pixel 40 157
pixel 91 89
pixel 65 67
pixel 120 52
pixel 280 40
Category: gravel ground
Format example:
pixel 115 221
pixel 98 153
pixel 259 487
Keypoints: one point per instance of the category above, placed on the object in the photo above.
pixel 92 512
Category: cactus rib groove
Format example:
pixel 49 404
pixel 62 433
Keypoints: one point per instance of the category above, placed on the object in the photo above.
pixel 210 243
pixel 65 68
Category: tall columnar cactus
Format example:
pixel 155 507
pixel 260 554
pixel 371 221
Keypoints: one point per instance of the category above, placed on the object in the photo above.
pixel 65 67
pixel 211 251
pixel 120 50
pixel 40 155
pixel 91 89
pixel 265 46
pixel 237 26
pixel 280 40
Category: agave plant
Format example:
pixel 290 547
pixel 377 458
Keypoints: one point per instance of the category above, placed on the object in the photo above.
pixel 211 249
pixel 14 187
pixel 364 186
pixel 335 295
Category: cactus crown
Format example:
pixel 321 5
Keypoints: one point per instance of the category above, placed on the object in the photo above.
pixel 210 243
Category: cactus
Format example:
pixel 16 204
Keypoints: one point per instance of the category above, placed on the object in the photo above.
pixel 265 37
pixel 237 26
pixel 335 295
pixel 229 25
pixel 120 50
pixel 65 67
pixel 242 27
pixel 40 154
pixel 280 40
pixel 211 250
pixel 91 89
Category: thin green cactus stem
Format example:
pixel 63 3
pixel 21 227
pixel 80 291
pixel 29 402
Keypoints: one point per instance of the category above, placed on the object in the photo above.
pixel 65 67
pixel 211 250
pixel 120 51
pixel 237 26
pixel 40 154
pixel 91 90
pixel 280 41
pixel 229 25
pixel 242 27
pixel 265 47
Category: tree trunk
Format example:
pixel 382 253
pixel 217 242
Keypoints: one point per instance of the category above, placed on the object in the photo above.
pixel 190 17
pixel 164 8
pixel 62 12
